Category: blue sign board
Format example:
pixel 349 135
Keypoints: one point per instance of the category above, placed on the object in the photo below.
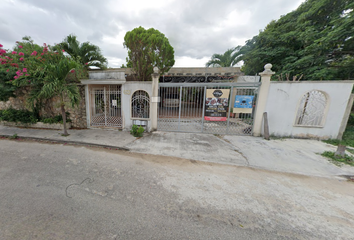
pixel 243 101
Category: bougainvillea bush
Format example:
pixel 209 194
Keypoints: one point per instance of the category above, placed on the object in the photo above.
pixel 46 70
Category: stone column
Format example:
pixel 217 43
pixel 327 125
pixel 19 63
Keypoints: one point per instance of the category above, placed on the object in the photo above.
pixel 154 99
pixel 262 99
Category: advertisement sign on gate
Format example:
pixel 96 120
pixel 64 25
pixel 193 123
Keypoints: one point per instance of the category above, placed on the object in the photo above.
pixel 243 101
pixel 216 103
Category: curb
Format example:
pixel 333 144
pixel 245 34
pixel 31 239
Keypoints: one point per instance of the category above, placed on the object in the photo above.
pixel 72 142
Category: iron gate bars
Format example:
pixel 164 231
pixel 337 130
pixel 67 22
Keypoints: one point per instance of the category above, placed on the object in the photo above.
pixel 140 104
pixel 105 106
pixel 183 105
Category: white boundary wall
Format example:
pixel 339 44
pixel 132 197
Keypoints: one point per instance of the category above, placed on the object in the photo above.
pixel 128 90
pixel 284 99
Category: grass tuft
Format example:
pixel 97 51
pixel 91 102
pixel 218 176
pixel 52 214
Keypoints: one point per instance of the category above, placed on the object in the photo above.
pixel 338 160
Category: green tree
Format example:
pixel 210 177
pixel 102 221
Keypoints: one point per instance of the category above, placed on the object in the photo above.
pixel 147 49
pixel 227 59
pixel 86 53
pixel 316 40
pixel 58 77
pixel 7 89
pixel 10 64
pixel 47 74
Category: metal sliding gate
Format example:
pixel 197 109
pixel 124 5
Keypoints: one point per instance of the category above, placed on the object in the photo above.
pixel 186 107
pixel 105 106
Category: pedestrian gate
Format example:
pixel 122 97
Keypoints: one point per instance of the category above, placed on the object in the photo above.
pixel 217 108
pixel 105 106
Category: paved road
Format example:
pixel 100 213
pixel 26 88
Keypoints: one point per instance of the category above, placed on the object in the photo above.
pixel 68 192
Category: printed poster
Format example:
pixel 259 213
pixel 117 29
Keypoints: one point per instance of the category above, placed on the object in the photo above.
pixel 243 101
pixel 216 103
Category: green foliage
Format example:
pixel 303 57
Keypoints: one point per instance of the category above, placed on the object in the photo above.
pixel 348 136
pixel 349 160
pixel 85 53
pixel 7 89
pixel 351 120
pixel 56 119
pixel 137 131
pixel 13 115
pixel 47 74
pixel 315 41
pixel 129 65
pixel 347 140
pixel 15 136
pixel 147 49
pixel 230 58
pixel 25 116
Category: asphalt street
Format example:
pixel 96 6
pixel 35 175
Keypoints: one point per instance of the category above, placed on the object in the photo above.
pixel 59 191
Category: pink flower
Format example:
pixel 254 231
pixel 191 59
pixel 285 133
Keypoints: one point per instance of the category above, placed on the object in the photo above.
pixel 24 70
pixel 72 71
pixel 27 74
pixel 7 70
pixel 86 63
pixel 63 50
pixel 34 53
pixel 19 73
pixel 21 54
pixel 22 59
pixel 20 46
pixel 14 52
pixel 1 45
pixel 15 77
pixel 42 53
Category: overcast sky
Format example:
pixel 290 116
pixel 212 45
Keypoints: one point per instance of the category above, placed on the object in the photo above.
pixel 196 29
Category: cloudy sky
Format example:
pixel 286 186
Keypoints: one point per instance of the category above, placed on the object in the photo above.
pixel 195 28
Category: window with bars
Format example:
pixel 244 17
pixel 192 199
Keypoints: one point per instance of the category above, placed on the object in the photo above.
pixel 312 109
pixel 140 104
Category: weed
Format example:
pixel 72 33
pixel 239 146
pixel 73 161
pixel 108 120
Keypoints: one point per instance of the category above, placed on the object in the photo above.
pixel 14 136
pixel 137 131
pixel 338 160
pixel 348 136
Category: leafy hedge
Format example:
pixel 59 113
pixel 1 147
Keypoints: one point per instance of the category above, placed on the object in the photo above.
pixel 25 116
pixel 13 115
pixel 56 119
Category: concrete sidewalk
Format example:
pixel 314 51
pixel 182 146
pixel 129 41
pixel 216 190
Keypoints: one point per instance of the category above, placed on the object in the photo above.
pixel 99 137
pixel 287 155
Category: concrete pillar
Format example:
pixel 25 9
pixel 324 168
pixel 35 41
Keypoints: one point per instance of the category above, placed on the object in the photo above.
pixel 262 99
pixel 154 99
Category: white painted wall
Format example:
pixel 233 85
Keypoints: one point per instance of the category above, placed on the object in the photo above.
pixel 248 78
pixel 283 100
pixel 128 90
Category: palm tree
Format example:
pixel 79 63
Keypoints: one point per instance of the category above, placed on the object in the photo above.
pixel 228 59
pixel 60 79
pixel 86 53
